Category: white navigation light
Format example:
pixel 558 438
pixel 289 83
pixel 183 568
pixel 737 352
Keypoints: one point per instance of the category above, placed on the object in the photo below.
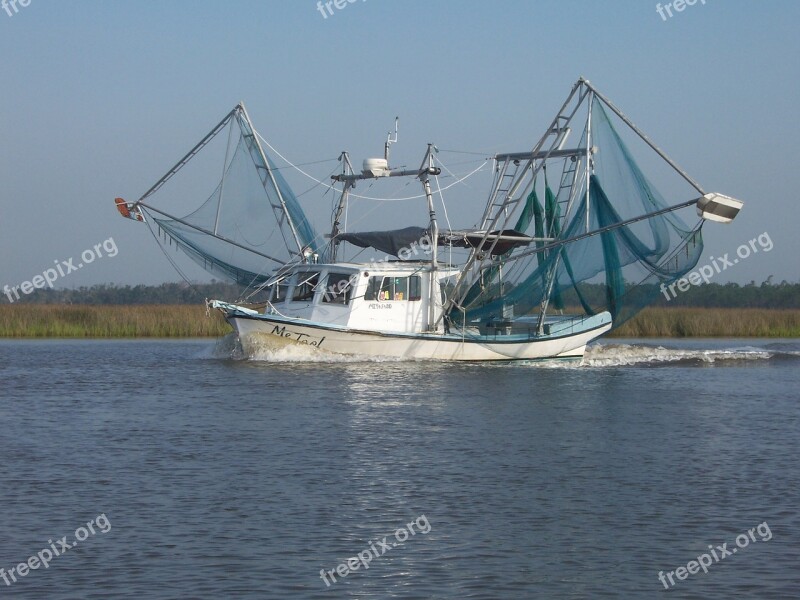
pixel 719 208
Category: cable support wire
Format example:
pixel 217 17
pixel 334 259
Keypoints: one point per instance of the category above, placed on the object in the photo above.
pixel 417 197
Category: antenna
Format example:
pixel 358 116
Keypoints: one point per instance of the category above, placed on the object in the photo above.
pixel 390 140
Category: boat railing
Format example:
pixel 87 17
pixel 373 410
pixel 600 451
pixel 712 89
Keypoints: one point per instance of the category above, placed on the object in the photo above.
pixel 502 329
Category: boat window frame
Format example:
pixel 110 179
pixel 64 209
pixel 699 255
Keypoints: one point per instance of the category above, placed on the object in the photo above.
pixel 333 297
pixel 301 279
pixel 388 283
pixel 275 287
pixel 414 284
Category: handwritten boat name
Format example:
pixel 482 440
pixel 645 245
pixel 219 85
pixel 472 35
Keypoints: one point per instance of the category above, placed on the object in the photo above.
pixel 379 305
pixel 300 338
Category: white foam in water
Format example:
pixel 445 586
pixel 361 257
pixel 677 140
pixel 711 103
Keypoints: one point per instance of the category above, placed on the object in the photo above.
pixel 229 347
pixel 597 355
pixel 613 355
pixel 631 355
pixel 295 353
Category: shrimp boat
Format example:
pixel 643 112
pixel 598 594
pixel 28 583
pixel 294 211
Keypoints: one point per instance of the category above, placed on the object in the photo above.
pixel 522 278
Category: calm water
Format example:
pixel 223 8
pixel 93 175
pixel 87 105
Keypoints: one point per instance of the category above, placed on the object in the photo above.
pixel 224 478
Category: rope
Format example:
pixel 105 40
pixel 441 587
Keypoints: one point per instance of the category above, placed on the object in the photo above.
pixel 417 197
pixel 315 162
pixel 446 218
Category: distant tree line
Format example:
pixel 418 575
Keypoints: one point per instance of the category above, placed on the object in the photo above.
pixel 708 295
pixel 166 293
pixel 731 295
pixel 728 295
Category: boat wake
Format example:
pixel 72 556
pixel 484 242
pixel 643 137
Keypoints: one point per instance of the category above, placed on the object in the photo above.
pixel 230 348
pixel 652 355
pixel 602 355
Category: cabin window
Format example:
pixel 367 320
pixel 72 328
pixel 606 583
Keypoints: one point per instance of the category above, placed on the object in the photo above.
pixel 373 285
pixel 279 290
pixel 386 291
pixel 394 288
pixel 338 289
pixel 414 288
pixel 399 289
pixel 305 287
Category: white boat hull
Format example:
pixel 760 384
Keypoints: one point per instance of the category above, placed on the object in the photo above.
pixel 258 331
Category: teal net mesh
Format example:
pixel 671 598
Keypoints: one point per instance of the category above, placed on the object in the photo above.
pixel 619 271
pixel 242 232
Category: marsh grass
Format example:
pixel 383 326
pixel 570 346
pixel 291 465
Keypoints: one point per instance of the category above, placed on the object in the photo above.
pixel 711 322
pixel 76 321
pixel 176 321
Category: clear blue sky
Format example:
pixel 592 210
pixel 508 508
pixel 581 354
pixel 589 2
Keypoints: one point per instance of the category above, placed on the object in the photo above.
pixel 100 97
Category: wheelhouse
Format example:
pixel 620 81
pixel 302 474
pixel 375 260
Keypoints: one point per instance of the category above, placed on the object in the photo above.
pixel 392 297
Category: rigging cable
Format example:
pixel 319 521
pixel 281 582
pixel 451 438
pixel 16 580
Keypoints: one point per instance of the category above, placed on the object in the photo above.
pixel 172 260
pixel 470 174
pixel 446 218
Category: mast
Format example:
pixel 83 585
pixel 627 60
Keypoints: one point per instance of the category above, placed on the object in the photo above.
pixel 506 207
pixel 551 275
pixel 347 169
pixel 269 176
pixel 390 139
pixel 590 97
pixel 377 168
pixel 425 171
